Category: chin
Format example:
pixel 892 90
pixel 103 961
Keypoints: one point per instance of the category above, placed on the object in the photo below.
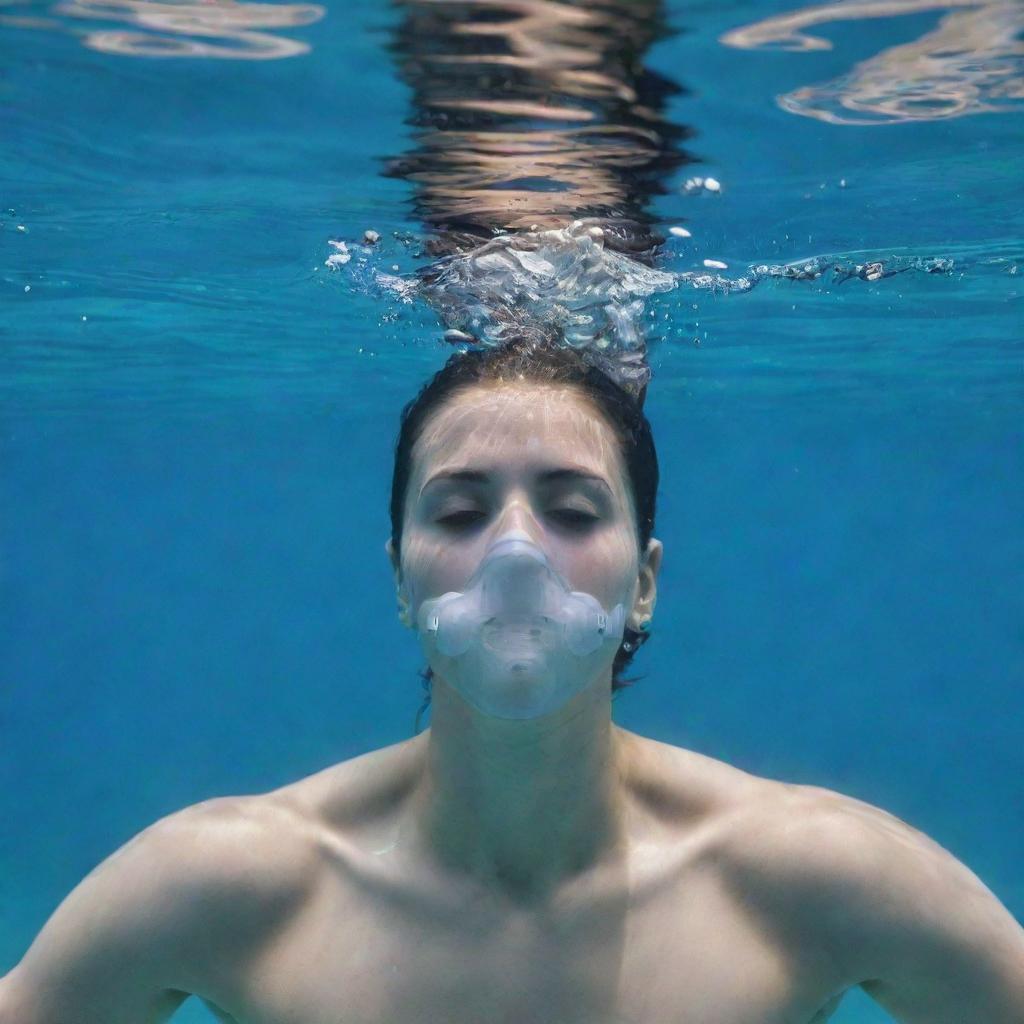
pixel 523 691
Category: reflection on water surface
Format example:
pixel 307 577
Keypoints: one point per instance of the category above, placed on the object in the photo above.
pixel 540 137
pixel 971 63
pixel 221 29
pixel 533 113
pixel 539 144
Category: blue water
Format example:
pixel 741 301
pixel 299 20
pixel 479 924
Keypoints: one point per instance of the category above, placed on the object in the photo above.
pixel 196 421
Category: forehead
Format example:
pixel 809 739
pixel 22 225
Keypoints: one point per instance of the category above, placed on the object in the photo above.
pixel 511 422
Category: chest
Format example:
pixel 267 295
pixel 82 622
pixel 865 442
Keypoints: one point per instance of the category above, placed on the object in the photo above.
pixel 678 955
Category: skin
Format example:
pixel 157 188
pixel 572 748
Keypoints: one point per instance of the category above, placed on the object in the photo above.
pixel 487 806
pixel 554 869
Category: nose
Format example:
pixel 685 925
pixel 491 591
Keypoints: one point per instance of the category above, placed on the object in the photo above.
pixel 517 522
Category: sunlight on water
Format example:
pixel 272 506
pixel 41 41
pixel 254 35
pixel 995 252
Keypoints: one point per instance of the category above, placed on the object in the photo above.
pixel 223 29
pixel 971 63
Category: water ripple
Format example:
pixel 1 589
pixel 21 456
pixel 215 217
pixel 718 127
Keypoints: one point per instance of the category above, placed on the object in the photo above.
pixel 218 29
pixel 971 63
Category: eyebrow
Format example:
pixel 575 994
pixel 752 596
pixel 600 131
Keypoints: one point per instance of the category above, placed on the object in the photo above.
pixel 548 476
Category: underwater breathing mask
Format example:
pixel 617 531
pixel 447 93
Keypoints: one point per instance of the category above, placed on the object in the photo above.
pixel 518 617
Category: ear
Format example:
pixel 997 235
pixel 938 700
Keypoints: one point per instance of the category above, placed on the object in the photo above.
pixel 647 586
pixel 404 612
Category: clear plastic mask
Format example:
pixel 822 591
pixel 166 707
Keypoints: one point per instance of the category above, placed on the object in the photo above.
pixel 518 639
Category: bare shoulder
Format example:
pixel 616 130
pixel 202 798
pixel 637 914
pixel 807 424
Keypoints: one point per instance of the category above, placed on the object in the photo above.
pixel 257 846
pixel 798 837
pixel 832 875
pixel 234 870
pixel 181 899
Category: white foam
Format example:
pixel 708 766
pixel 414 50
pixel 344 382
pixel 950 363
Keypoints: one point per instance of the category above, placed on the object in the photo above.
pixel 558 283
pixel 567 284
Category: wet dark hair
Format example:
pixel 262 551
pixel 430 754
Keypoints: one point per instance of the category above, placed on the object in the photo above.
pixel 544 363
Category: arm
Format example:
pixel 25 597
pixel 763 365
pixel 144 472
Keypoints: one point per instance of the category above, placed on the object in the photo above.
pixel 893 910
pixel 156 920
pixel 933 943
pixel 102 956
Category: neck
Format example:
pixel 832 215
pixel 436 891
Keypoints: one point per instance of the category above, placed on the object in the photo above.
pixel 522 806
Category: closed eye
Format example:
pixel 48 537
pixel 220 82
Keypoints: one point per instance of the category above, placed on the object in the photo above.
pixel 574 517
pixel 458 520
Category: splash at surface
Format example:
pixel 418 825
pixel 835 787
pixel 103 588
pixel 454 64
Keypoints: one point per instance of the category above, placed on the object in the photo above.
pixel 569 285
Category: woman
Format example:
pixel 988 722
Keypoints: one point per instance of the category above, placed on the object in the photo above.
pixel 524 859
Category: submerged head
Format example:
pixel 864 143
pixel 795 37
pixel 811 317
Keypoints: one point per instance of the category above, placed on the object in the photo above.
pixel 535 444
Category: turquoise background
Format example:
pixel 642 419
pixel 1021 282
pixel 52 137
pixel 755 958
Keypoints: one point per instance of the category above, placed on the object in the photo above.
pixel 195 598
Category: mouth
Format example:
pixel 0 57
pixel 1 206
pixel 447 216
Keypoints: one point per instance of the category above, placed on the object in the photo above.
pixel 516 636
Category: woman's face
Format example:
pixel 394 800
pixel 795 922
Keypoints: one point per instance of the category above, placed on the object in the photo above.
pixel 538 459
